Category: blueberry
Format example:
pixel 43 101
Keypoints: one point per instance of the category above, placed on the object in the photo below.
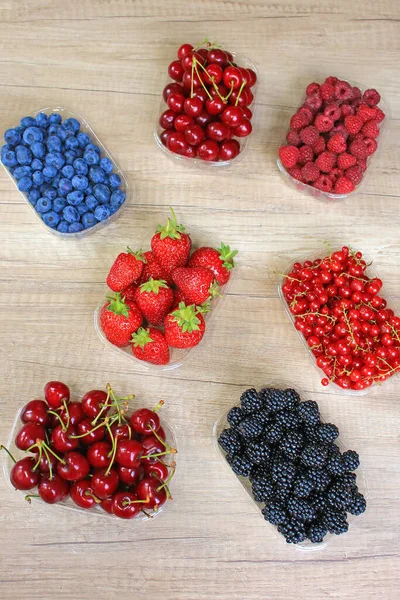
pixel 102 212
pixel 117 198
pixel 83 139
pixel 43 205
pixel 33 196
pixel 38 149
pixel 93 147
pixel 63 132
pixel 38 177
pixel 54 130
pixel 32 135
pixel 55 118
pixel 88 220
pixel 42 120
pixel 96 174
pixel 75 227
pixel 70 156
pixel 25 184
pixel 106 165
pixel 24 155
pixel 102 193
pixel 27 122
pixel 82 208
pixel 70 214
pixel 20 172
pixel 91 156
pixel 12 137
pixel 9 158
pixel 81 166
pixel 68 171
pixel 89 190
pixel 59 204
pixel 91 202
pixel 51 219
pixel 50 172
pixel 72 124
pixel 80 182
pixel 63 227
pixel 71 143
pixel 115 180
pixel 55 159
pixel 113 208
pixel 54 144
pixel 56 180
pixel 37 164
pixel 75 197
pixel 65 185
pixel 50 193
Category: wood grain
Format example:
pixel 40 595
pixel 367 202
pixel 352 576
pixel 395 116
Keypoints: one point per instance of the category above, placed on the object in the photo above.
pixel 107 60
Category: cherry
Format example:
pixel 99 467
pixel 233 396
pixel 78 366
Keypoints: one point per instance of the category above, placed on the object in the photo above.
pixel 194 134
pixel 35 412
pixel 190 58
pixel 29 434
pixel 229 150
pixel 130 476
pixel 204 118
pixel 125 505
pixel 244 129
pixel 190 81
pixel 191 152
pixel 176 142
pixel 99 454
pixel 74 467
pixel 175 70
pixel 253 79
pixel 96 402
pixel 129 453
pixel 181 122
pixel 217 131
pixel 151 445
pixel 215 106
pixel 48 463
pixel 232 77
pixel 193 106
pixel 121 431
pixel 171 88
pixel 63 440
pixel 220 91
pixel 247 114
pixel 104 483
pixel 53 490
pixel 56 393
pixel 22 475
pixel 208 150
pixel 106 504
pixel 74 415
pixel 184 50
pixel 151 491
pixel 82 494
pixel 213 74
pixel 156 469
pixel 88 433
pixel 218 57
pixel 175 102
pixel 232 116
pixel 167 119
pixel 203 53
pixel 146 421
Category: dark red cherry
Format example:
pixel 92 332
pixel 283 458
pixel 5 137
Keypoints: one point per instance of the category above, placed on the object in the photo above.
pixel 63 440
pixel 98 454
pixel 184 50
pixel 182 121
pixel 90 434
pixel 106 504
pixel 130 475
pixel 208 150
pixel 53 490
pixel 218 57
pixel 121 431
pixel 244 129
pixel 164 136
pixel 149 490
pixel 175 70
pixel 176 142
pixel 175 102
pixel 47 460
pixel 232 77
pixel 82 494
pixel 151 445
pixel 204 118
pixel 193 106
pixel 167 119
pixel 171 88
pixel 35 412
pixel 75 412
pixel 213 74
pixel 189 81
pixel 191 152
pixel 125 505
pixel 215 106
pixel 155 469
pixel 253 78
pixel 194 134
pixel 217 131
pixel 75 467
pixel 200 92
pixel 96 402
pixel 222 91
pixel 29 434
pixel 232 116
pixel 229 150
pixel 129 453
pixel 104 484
pixel 55 392
pixel 22 475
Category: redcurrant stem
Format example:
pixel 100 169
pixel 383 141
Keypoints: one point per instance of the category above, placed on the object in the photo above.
pixel 394 332
pixel 287 276
pixel 159 439
pixel 63 426
pixel 317 314
pixel 240 91
pixel 29 496
pixel 347 321
pixel 91 495
pixel 114 442
pixel 8 452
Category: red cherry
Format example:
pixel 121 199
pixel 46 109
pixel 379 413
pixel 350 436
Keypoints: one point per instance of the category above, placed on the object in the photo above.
pixel 75 413
pixel 166 120
pixel 215 106
pixel 149 490
pixel 130 475
pixel 151 445
pixel 129 453
pixel 221 92
pixel 193 106
pixel 253 78
pixel 125 505
pixel 172 88
pixel 22 475
pixel 121 431
pixel 29 434
pixel 184 50
pixel 190 81
pixel 229 150
pixel 248 115
pixel 217 131
pixel 188 60
pixel 203 53
pixel 35 412
pixel 96 402
pixel 106 504
pixel 99 454
pixel 177 143
pixel 82 494
pixel 175 70
pixel 156 469
pixel 89 433
pixel 194 134
pixel 200 92
pixel 232 116
pixel 164 136
pixel 53 490
pixel 46 461
pixel 232 77
pixel 245 129
pixel 63 440
pixel 55 392
pixel 75 467
pixel 145 421
pixel 175 102
pixel 104 484
pixel 213 74
pixel 191 152
pixel 208 150
pixel 204 118
pixel 218 57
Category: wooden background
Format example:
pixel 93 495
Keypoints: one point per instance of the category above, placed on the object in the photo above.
pixel 107 59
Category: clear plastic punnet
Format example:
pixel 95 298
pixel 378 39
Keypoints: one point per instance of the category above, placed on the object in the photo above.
pixel 85 128
pixel 307 545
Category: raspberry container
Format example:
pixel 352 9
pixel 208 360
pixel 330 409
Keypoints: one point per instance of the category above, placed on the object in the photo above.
pixel 68 503
pixel 85 128
pixel 242 61
pixel 177 356
pixel 370 271
pixel 329 196
pixel 307 545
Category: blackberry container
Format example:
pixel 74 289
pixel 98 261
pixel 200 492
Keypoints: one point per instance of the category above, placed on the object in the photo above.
pixel 68 503
pixel 307 545
pixel 330 196
pixel 85 128
pixel 370 272
pixel 242 61
pixel 177 355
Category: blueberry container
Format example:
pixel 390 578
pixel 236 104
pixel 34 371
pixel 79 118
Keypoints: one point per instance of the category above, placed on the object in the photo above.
pixel 330 196
pixel 307 545
pixel 68 503
pixel 85 128
pixel 242 61
pixel 177 356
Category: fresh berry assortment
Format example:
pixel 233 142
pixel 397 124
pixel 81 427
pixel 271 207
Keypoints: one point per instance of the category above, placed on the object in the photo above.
pixel 91 453
pixel 206 111
pixel 63 172
pixel 331 136
pixel 160 296
pixel 297 473
pixel 337 308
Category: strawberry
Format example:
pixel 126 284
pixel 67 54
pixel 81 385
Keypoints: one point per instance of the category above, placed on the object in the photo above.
pixel 171 245
pixel 178 298
pixel 152 268
pixel 128 294
pixel 154 299
pixel 150 345
pixel 119 320
pixel 127 268
pixel 184 327
pixel 196 283
pixel 219 261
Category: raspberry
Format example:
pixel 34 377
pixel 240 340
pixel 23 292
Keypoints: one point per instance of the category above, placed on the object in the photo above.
pixel 319 146
pixel 326 161
pixel 355 174
pixel 337 143
pixel 312 88
pixel 306 155
pixel 298 121
pixel 288 155
pixel 309 135
pixel 323 123
pixel 295 172
pixel 370 145
pixel 356 136
pixel 335 174
pixel 343 91
pixel 347 109
pixel 356 93
pixel 358 148
pixel 353 123
pixel 313 102
pixel 343 186
pixel 346 160
pixel 356 103
pixel 380 115
pixel 310 172
pixel 371 129
pixel 323 183
pixel 371 97
pixel 331 80
pixel 306 113
pixel 366 112
pixel 340 128
pixel 333 111
pixel 326 91
pixel 362 163
pixel 293 138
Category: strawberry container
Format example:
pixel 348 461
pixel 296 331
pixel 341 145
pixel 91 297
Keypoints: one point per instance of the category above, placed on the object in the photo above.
pixel 330 196
pixel 84 128
pixel 307 545
pixel 68 503
pixel 177 356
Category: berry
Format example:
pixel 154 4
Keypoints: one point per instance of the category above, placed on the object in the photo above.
pixel 302 486
pixel 258 452
pixel 288 420
pixel 170 245
pixel 370 129
pixel 327 432
pixel 289 156
pixel 337 143
pixel 339 496
pixel 292 444
pixel 300 509
pixel 309 135
pixel 335 521
pixel 293 138
pixel 119 320
pixel 335 465
pixel 293 531
pixel 197 284
pixel 184 327
pixel 154 298
pixel 354 174
pixel 314 455
pixel 351 460
pixel 323 122
pixel 262 489
pixel 323 183
pixel 250 401
pixel 126 269
pixel 371 97
pixel 273 433
pixel 298 121
pixel 358 506
pixel 235 416
pixel 230 441
pixel 283 471
pixel 310 172
pixel 316 532
pixel 306 154
pixel 345 161
pixel 343 91
pixel 353 124
pixel 371 146
pixel 275 400
pixel 241 465
pixel 309 413
pixel 150 345
pixel 220 261
pixel 326 161
pixel 358 149
pixel 250 428
pixel 343 185
pixel 274 513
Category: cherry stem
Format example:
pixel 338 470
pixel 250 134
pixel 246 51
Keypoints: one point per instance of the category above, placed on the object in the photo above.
pixel 159 405
pixel 42 444
pixel 192 83
pixel 129 502
pixel 159 438
pixel 105 405
pixel 63 426
pixel 114 442
pixel 165 484
pixel 49 463
pixel 105 422
pixel 8 452
pixel 91 495
pixel 203 85
pixel 147 514
pixel 240 91
pixel 170 451
pixel 66 412
pixel 29 496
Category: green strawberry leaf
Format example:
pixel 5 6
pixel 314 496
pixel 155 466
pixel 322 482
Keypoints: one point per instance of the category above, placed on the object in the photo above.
pixel 117 305
pixel 153 285
pixel 227 255
pixel 138 254
pixel 171 229
pixel 186 317
pixel 214 290
pixel 141 337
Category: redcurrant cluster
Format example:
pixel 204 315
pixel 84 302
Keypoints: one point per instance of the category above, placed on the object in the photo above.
pixel 354 337
pixel 208 104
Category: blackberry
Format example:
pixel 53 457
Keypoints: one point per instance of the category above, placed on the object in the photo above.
pixel 230 441
pixel 311 433
pixel 316 532
pixel 258 472
pixel 258 452
pixel 333 449
pixel 314 455
pixel 358 506
pixel 349 480
pixel 335 464
pixel 293 531
pixel 351 460
pixel 318 502
pixel 308 412
pixel 302 486
pixel 282 493
pixel 262 489
pixel 292 399
pixel 292 444
pixel 264 416
pixel 274 513
pixel 250 428
pixel 241 465
pixel 339 496
pixel 273 433
pixel 327 432
pixel 235 416
pixel 335 521
pixel 300 509
pixel 283 471
pixel 272 399
pixel 288 420
pixel 250 401
pixel 320 479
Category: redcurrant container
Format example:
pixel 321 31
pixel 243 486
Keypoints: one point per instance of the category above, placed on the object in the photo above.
pixel 307 545
pixel 177 356
pixel 370 272
pixel 330 196
pixel 241 61
pixel 68 503
pixel 85 128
